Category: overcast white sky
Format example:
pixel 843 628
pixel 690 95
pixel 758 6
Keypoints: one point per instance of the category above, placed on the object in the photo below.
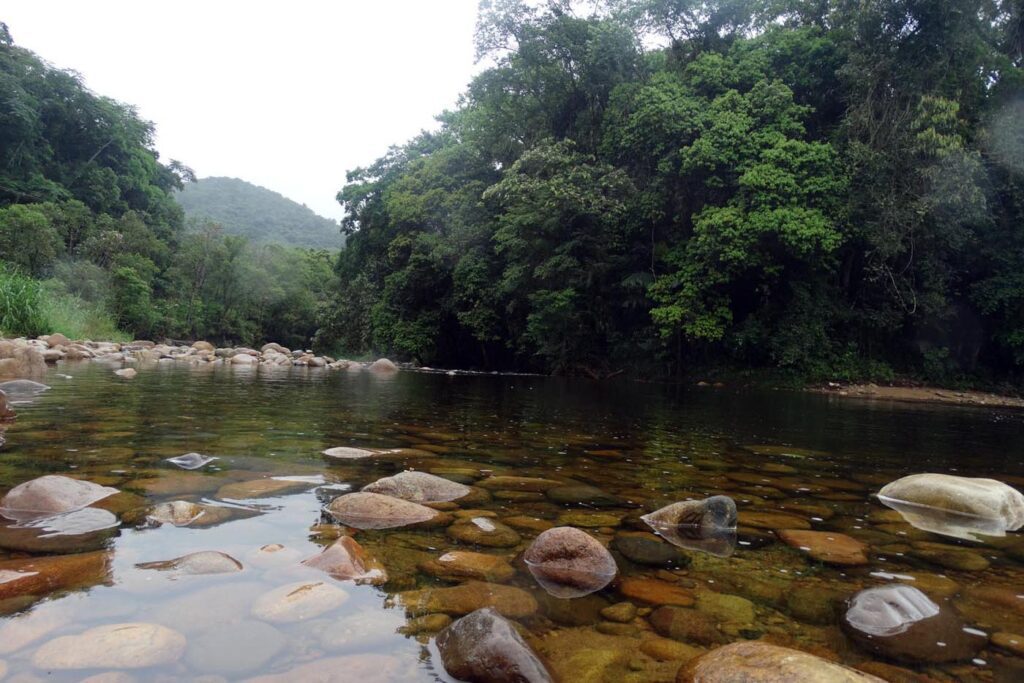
pixel 288 94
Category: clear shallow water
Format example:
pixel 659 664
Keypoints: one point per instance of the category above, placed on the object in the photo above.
pixel 648 444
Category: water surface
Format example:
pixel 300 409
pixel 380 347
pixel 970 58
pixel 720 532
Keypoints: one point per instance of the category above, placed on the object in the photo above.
pixel 647 444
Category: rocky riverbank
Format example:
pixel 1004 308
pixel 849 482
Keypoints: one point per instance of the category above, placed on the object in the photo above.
pixel 919 394
pixel 23 357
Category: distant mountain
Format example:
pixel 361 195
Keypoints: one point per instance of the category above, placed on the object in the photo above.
pixel 260 214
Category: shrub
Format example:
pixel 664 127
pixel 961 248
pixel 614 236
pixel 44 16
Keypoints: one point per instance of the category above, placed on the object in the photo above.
pixel 21 304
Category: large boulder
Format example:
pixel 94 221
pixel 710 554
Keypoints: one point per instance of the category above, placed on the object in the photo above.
pixel 21 361
pixel 419 487
pixel 204 346
pixel 56 339
pixel 901 622
pixel 937 501
pixel 569 563
pixel 49 495
pixel 484 646
pixel 375 511
pixel 383 366
pixel 757 662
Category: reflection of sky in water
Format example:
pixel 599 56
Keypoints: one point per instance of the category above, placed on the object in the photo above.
pixel 640 442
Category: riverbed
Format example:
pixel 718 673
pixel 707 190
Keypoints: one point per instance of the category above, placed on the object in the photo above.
pixel 609 452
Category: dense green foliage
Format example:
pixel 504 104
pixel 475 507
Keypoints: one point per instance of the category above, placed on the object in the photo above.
pixel 86 205
pixel 831 187
pixel 257 213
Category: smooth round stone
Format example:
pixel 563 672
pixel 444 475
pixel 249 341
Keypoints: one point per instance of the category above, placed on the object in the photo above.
pixel 826 546
pixel 203 562
pixel 234 649
pixel 419 487
pixel 621 612
pixel 985 499
pixel 901 622
pixel 949 556
pixel 569 563
pixel 1011 642
pixel 656 592
pixel 376 511
pixel 50 495
pixel 363 631
pixel 460 565
pixel 298 601
pixel 348 453
pixel 115 646
pixel 484 531
pixel 470 596
pixel 176 513
pixel 772 520
pixel 383 366
pixel 757 662
pixel 484 646
pixel 688 625
pixel 649 550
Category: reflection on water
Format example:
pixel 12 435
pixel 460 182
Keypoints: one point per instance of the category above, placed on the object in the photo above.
pixel 535 453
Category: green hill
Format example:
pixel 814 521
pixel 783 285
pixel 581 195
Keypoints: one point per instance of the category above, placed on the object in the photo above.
pixel 260 214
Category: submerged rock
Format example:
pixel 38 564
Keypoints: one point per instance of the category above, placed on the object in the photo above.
pixel 298 601
pixel 827 546
pixel 367 668
pixel 956 506
pixel 191 461
pixel 582 494
pixel 647 549
pixel 71 532
pixel 41 575
pixel 376 511
pixel 901 622
pixel 419 487
pixel 460 565
pixel 126 373
pixel 484 531
pixel 115 646
pixel 484 646
pixel 262 488
pixel 346 560
pixel 51 495
pixel 203 562
pixel 569 563
pixel 234 649
pixel 349 453
pixel 469 597
pixel 757 662
pixel 702 525
pixel 20 389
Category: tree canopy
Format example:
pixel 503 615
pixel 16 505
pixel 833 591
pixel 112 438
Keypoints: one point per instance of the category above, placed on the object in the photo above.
pixel 648 185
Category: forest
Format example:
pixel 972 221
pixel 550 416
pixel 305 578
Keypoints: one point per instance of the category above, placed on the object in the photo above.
pixel 828 188
pixel 822 188
pixel 93 243
pixel 259 214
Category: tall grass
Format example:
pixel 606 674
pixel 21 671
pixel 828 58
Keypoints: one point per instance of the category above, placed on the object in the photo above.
pixel 21 304
pixel 77 318
pixel 31 308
